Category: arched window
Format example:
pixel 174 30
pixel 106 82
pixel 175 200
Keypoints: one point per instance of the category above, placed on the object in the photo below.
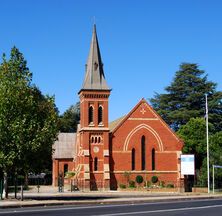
pixel 65 169
pixel 143 153
pixel 133 159
pixel 95 139
pixel 153 159
pixel 100 115
pixel 90 114
pixel 95 164
pixel 99 139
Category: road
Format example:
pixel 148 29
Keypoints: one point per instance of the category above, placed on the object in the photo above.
pixel 207 207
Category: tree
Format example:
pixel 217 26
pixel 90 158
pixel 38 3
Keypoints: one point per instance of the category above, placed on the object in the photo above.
pixel 215 149
pixel 45 119
pixel 185 98
pixel 193 133
pixel 215 143
pixel 194 137
pixel 28 119
pixel 69 120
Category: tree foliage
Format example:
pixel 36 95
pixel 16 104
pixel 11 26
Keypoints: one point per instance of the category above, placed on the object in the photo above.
pixel 183 108
pixel 69 120
pixel 185 98
pixel 194 137
pixel 215 149
pixel 28 119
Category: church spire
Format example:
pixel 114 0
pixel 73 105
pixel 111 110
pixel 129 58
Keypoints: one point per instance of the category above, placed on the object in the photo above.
pixel 94 74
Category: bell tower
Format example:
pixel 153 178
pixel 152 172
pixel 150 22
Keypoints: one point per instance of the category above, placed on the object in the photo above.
pixel 94 130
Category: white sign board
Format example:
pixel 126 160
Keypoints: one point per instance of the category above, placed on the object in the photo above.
pixel 187 164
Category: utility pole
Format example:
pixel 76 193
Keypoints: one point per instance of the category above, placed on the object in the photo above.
pixel 208 161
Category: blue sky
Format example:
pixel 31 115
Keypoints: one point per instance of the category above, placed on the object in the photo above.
pixel 142 43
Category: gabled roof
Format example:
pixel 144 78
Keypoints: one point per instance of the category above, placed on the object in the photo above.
pixel 65 146
pixel 94 74
pixel 117 123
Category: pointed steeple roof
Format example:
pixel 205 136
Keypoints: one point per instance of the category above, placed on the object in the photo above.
pixel 94 74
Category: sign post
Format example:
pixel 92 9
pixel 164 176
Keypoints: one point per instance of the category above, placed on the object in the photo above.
pixel 187 168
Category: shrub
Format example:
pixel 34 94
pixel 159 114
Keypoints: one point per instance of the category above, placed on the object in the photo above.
pixel 154 179
pixel 170 185
pixel 122 186
pixel 139 179
pixel 132 184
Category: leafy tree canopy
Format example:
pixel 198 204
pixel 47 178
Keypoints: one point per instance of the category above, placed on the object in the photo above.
pixel 69 120
pixel 28 119
pixel 215 149
pixel 193 133
pixel 185 98
pixel 194 136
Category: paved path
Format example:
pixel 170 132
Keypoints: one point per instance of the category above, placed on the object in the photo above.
pixel 50 196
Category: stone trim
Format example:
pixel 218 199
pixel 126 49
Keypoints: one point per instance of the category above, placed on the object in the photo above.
pixel 106 176
pixel 94 129
pixel 86 176
pixel 105 152
pixel 86 167
pixel 106 167
pixel 145 172
pixel 146 119
pixel 86 152
pixel 163 122
pixel 134 130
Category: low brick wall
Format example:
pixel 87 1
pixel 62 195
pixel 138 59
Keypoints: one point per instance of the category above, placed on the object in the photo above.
pixel 199 189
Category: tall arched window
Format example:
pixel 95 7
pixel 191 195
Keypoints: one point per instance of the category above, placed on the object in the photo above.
pixel 143 153
pixel 133 159
pixel 100 115
pixel 153 159
pixel 90 114
pixel 96 164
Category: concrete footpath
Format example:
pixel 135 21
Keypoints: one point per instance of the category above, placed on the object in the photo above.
pixel 48 196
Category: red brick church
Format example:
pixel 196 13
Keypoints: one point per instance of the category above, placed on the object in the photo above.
pixel 101 152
